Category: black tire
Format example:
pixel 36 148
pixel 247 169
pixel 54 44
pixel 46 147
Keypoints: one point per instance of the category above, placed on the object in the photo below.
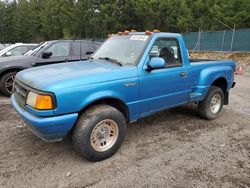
pixel 6 78
pixel 85 126
pixel 204 107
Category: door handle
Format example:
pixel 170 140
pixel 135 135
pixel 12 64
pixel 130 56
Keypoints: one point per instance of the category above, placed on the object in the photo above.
pixel 183 74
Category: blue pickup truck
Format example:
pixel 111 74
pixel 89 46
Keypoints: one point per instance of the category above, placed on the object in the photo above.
pixel 131 76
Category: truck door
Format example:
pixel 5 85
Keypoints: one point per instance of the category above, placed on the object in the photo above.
pixel 168 86
pixel 58 52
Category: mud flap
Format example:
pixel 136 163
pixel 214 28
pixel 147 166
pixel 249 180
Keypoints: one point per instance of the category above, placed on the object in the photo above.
pixel 226 98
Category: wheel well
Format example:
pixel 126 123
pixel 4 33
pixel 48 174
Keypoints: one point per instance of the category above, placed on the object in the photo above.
pixel 116 103
pixel 221 83
pixel 9 70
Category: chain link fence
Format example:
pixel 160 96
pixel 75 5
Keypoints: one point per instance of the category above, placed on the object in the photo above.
pixel 226 40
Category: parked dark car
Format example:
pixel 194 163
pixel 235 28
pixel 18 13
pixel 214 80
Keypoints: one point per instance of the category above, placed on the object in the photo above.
pixel 57 51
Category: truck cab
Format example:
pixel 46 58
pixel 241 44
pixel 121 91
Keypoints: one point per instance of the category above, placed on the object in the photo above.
pixel 132 75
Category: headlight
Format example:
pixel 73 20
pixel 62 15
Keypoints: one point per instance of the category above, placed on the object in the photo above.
pixel 40 101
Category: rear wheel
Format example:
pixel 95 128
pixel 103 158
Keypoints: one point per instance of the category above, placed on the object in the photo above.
pixel 99 132
pixel 6 83
pixel 212 105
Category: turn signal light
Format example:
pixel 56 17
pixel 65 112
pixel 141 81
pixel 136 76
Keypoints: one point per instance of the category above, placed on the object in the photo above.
pixel 44 102
pixel 40 101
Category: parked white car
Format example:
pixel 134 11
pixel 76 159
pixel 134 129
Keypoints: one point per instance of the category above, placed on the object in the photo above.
pixel 16 49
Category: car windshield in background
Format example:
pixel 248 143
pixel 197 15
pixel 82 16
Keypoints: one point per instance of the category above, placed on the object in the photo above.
pixel 124 49
pixel 37 49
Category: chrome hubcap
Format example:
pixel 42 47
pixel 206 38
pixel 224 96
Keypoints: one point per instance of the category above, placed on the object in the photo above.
pixel 104 135
pixel 215 103
pixel 9 84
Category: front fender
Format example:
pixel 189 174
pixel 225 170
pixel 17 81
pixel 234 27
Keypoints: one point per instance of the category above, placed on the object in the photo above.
pixel 93 97
pixel 75 99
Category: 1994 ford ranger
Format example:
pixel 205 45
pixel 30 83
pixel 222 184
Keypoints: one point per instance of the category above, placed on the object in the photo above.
pixel 132 75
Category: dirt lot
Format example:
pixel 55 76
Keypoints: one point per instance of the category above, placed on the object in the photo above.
pixel 174 148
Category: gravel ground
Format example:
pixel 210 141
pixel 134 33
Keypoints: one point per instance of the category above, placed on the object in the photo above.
pixel 174 148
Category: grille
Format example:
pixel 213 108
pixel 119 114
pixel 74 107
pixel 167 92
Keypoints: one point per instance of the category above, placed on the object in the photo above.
pixel 20 91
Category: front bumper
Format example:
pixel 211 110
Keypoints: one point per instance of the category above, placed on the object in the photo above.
pixel 50 129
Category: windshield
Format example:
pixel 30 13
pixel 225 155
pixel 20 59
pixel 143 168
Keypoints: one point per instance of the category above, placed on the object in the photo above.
pixel 8 48
pixel 124 49
pixel 37 49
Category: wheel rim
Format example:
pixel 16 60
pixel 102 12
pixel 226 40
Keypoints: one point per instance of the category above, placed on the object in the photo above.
pixel 104 135
pixel 9 83
pixel 215 103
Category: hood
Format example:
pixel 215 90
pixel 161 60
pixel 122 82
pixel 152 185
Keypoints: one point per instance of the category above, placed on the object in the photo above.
pixel 73 74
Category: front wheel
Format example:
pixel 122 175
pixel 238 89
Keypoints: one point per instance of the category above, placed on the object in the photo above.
pixel 6 83
pixel 99 132
pixel 212 105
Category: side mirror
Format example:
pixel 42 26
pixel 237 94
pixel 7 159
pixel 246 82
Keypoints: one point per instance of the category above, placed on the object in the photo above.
pixel 46 55
pixel 89 53
pixel 8 54
pixel 156 63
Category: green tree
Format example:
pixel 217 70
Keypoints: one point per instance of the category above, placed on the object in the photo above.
pixel 7 28
pixel 39 20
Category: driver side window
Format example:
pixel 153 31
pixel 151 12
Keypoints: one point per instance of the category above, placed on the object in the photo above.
pixel 59 49
pixel 169 50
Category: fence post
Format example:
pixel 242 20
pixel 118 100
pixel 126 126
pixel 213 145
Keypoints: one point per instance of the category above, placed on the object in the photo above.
pixel 199 40
pixel 223 38
pixel 232 41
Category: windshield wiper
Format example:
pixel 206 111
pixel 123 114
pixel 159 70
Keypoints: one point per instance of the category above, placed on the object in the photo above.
pixel 111 60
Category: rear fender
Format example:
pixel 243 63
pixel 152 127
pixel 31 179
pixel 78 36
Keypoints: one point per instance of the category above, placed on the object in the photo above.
pixel 207 77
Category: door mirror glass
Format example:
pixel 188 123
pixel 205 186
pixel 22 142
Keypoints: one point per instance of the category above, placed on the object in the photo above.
pixel 156 63
pixel 8 54
pixel 46 55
